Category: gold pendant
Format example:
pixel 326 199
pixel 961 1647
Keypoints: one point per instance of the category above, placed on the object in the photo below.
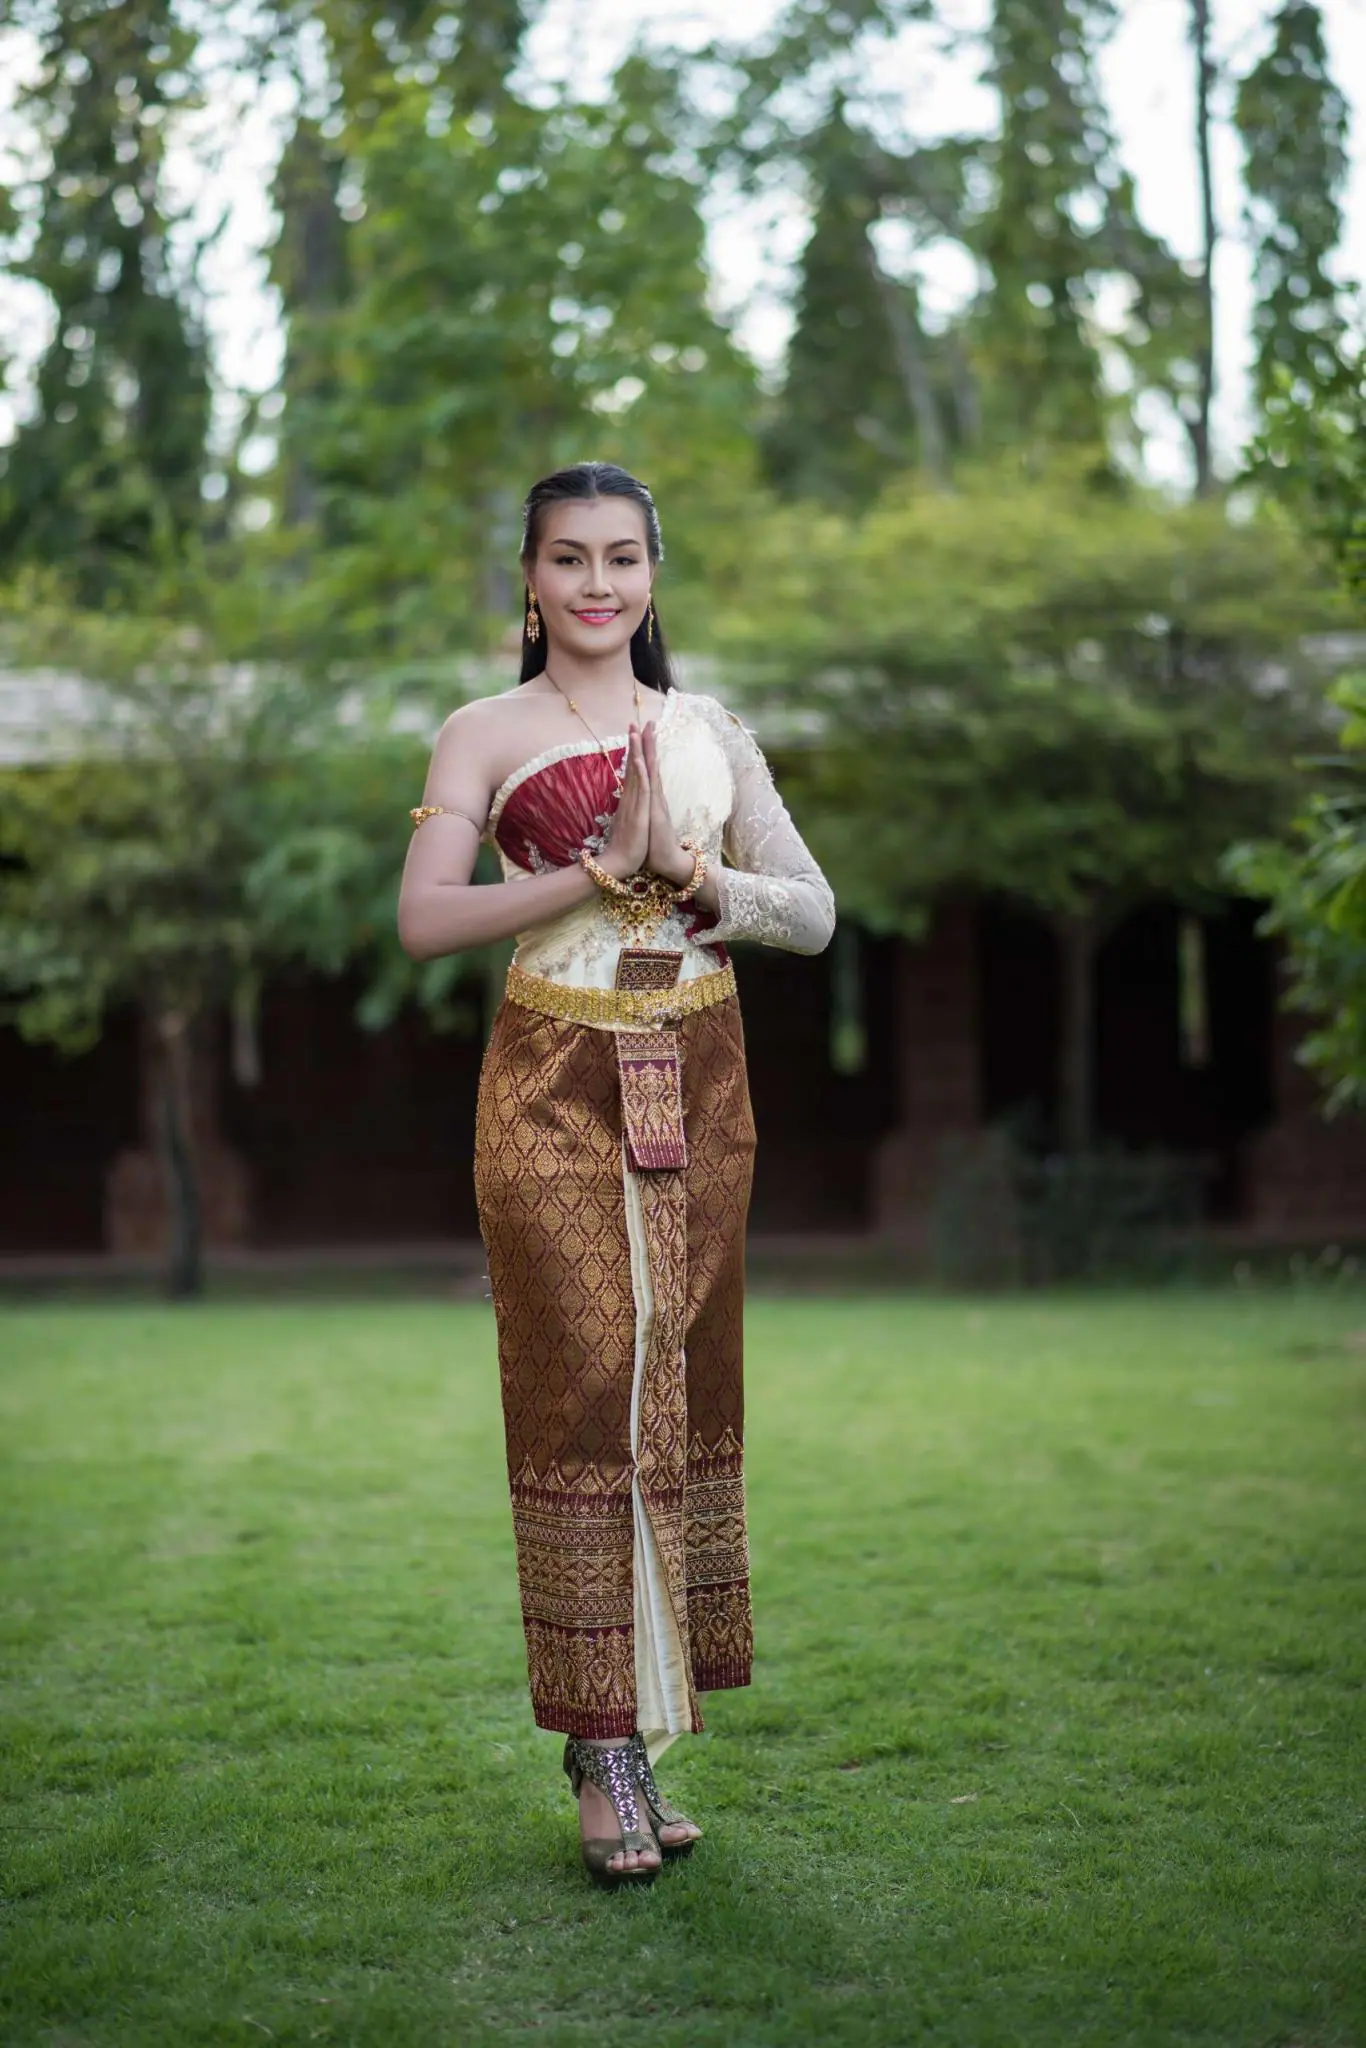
pixel 636 915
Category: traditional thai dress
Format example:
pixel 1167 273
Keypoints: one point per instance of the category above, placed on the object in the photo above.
pixel 613 1155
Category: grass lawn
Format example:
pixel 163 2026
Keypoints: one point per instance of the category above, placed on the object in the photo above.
pixel 1055 1735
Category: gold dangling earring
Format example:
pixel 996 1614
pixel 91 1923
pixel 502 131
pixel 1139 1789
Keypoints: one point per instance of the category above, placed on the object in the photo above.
pixel 650 619
pixel 533 619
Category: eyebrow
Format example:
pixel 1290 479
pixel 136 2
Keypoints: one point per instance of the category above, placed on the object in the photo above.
pixel 631 541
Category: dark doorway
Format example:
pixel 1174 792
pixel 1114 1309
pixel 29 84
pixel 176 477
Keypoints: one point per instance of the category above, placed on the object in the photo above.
pixel 817 1124
pixel 1160 1084
pixel 355 1136
pixel 63 1121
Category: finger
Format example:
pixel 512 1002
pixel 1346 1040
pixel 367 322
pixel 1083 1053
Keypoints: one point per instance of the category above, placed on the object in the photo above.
pixel 635 787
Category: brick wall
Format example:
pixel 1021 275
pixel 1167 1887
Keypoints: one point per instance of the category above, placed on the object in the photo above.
pixel 1304 1176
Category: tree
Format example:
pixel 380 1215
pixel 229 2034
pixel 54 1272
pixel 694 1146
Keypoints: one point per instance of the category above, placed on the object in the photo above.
pixel 1314 882
pixel 1313 875
pixel 1042 206
pixel 207 823
pixel 860 398
pixel 1040 369
pixel 371 54
pixel 1294 125
pixel 523 286
pixel 104 474
pixel 1198 415
pixel 1073 704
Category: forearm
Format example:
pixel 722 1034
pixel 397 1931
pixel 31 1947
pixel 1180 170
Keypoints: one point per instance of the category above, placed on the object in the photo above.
pixel 436 918
pixel 796 912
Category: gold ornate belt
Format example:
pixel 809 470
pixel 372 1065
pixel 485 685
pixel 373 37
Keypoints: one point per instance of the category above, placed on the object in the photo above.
pixel 642 1010
pixel 617 1007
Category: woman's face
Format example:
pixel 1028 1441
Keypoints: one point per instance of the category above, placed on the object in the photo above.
pixel 591 574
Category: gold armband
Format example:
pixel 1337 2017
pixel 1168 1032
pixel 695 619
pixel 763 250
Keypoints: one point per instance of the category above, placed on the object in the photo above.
pixel 422 812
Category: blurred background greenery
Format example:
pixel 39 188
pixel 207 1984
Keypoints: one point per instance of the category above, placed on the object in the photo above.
pixel 991 652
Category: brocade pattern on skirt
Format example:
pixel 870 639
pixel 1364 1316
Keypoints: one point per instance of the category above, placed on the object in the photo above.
pixel 549 1177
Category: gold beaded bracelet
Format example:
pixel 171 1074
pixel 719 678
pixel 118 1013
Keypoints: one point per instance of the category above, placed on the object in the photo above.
pixel 698 875
pixel 638 888
pixel 635 887
pixel 637 904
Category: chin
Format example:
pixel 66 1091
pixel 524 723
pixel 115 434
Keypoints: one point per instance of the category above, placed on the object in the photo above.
pixel 599 640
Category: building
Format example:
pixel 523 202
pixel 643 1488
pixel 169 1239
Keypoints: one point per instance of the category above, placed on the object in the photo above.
pixel 880 1072
pixel 356 1139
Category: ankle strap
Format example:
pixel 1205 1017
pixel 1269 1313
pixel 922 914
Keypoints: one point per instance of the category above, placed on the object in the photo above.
pixel 612 1771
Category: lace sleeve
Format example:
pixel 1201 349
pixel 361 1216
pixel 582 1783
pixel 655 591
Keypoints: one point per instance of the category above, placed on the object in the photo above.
pixel 772 890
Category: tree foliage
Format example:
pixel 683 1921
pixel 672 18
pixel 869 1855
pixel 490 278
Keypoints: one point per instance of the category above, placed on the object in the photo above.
pixel 1293 121
pixel 1314 876
pixel 1021 694
pixel 1315 883
pixel 1039 362
pixel 200 825
pixel 524 286
pixel 866 391
pixel 104 474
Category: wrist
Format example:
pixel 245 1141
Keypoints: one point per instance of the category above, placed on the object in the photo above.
pixel 615 865
pixel 676 869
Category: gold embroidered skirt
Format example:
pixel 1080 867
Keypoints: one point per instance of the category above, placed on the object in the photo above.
pixel 618 1289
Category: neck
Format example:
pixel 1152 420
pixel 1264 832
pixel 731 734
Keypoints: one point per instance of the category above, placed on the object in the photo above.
pixel 581 675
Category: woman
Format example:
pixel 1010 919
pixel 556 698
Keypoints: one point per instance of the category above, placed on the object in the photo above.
pixel 614 1141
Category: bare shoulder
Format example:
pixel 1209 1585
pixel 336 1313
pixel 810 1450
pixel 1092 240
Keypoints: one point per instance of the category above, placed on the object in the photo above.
pixel 481 725
pixel 464 762
pixel 479 714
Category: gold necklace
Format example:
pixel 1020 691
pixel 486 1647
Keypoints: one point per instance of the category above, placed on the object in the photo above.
pixel 619 774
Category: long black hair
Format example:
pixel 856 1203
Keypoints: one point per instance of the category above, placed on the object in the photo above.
pixel 587 480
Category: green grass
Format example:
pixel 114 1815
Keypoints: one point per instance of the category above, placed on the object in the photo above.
pixel 1055 1735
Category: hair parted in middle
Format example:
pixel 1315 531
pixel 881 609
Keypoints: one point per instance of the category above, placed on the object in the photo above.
pixel 586 481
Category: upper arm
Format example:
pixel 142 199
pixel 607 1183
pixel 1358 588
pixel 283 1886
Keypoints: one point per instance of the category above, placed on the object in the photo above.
pixel 459 780
pixel 755 801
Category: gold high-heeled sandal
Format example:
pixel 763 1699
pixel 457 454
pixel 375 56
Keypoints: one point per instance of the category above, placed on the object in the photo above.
pixel 662 1815
pixel 613 1772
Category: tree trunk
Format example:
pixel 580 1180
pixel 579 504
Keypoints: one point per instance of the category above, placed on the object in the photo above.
pixel 908 345
pixel 1199 425
pixel 1078 942
pixel 967 404
pixel 310 270
pixel 185 1271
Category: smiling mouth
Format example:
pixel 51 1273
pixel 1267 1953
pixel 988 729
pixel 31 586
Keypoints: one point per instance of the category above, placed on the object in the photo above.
pixel 594 616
